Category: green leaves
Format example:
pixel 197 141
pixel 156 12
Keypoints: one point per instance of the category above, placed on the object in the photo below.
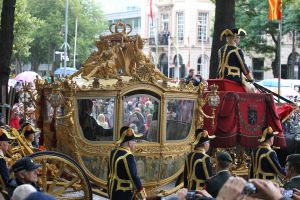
pixel 39 29
pixel 252 15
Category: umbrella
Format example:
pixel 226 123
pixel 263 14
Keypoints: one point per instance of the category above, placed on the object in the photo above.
pixel 61 71
pixel 27 76
pixel 286 92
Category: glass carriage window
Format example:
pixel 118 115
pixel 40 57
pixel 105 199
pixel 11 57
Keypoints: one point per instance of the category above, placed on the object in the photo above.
pixel 179 118
pixel 141 112
pixel 96 118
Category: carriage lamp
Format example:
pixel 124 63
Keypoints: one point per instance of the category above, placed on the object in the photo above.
pixel 56 98
pixel 25 96
pixel 213 100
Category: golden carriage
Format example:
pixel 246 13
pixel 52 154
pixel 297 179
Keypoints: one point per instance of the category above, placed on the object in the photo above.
pixel 119 83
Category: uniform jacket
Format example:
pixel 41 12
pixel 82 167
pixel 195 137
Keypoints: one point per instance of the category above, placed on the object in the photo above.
pixel 122 174
pixel 197 169
pixel 266 164
pixel 3 168
pixel 293 183
pixel 215 183
pixel 232 64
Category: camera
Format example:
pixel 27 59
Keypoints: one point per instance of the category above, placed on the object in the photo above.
pixel 191 195
pixel 249 189
pixel 287 193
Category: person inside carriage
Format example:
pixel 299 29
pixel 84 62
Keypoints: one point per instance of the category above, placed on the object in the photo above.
pixel 90 128
pixel 232 64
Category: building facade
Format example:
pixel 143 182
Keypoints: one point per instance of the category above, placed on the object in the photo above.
pixel 179 33
pixel 131 16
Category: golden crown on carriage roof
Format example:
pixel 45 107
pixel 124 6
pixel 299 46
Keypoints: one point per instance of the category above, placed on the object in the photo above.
pixel 120 55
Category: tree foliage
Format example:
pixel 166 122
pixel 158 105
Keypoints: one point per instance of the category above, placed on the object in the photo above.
pixel 50 36
pixel 262 34
pixel 25 26
pixel 6 43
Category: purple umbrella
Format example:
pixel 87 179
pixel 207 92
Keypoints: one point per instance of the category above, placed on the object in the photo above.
pixel 27 76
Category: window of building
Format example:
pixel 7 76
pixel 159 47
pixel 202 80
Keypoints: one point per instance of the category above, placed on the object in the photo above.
pixel 202 66
pixel 258 68
pixel 180 25
pixel 202 26
pixel 152 30
pixel 165 22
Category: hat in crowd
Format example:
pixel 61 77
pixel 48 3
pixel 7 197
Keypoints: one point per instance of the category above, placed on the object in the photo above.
pixel 4 135
pixel 39 196
pixel 28 129
pixel 293 158
pixel 23 191
pixel 202 136
pixel 127 134
pixel 233 32
pixel 25 163
pixel 267 132
pixel 224 156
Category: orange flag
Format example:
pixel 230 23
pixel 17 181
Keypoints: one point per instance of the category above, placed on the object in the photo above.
pixel 275 12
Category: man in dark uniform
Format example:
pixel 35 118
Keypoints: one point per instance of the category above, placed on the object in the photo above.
pixel 265 164
pixel 122 172
pixel 25 171
pixel 28 131
pixel 232 64
pixel 191 77
pixel 292 169
pixel 198 167
pixel 4 145
pixel 215 183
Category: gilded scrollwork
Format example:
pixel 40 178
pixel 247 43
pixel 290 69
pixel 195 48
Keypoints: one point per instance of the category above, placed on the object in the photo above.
pixel 120 67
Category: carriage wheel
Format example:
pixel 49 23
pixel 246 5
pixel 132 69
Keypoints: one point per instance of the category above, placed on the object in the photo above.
pixel 61 176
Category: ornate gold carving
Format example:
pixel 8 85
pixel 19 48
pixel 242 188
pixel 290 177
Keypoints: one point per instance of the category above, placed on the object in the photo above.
pixel 117 68
pixel 119 54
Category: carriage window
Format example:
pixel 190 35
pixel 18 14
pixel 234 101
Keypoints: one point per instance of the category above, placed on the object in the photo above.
pixel 141 112
pixel 179 118
pixel 96 118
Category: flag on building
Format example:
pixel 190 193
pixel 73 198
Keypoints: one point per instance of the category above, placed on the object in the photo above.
pixel 189 56
pixel 151 12
pixel 169 55
pixel 275 10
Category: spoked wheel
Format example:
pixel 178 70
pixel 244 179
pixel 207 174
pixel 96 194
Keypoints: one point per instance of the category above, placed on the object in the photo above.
pixel 61 176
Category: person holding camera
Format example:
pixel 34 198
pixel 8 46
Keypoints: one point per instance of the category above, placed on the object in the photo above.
pixel 292 169
pixel 198 167
pixel 215 183
pixel 265 163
